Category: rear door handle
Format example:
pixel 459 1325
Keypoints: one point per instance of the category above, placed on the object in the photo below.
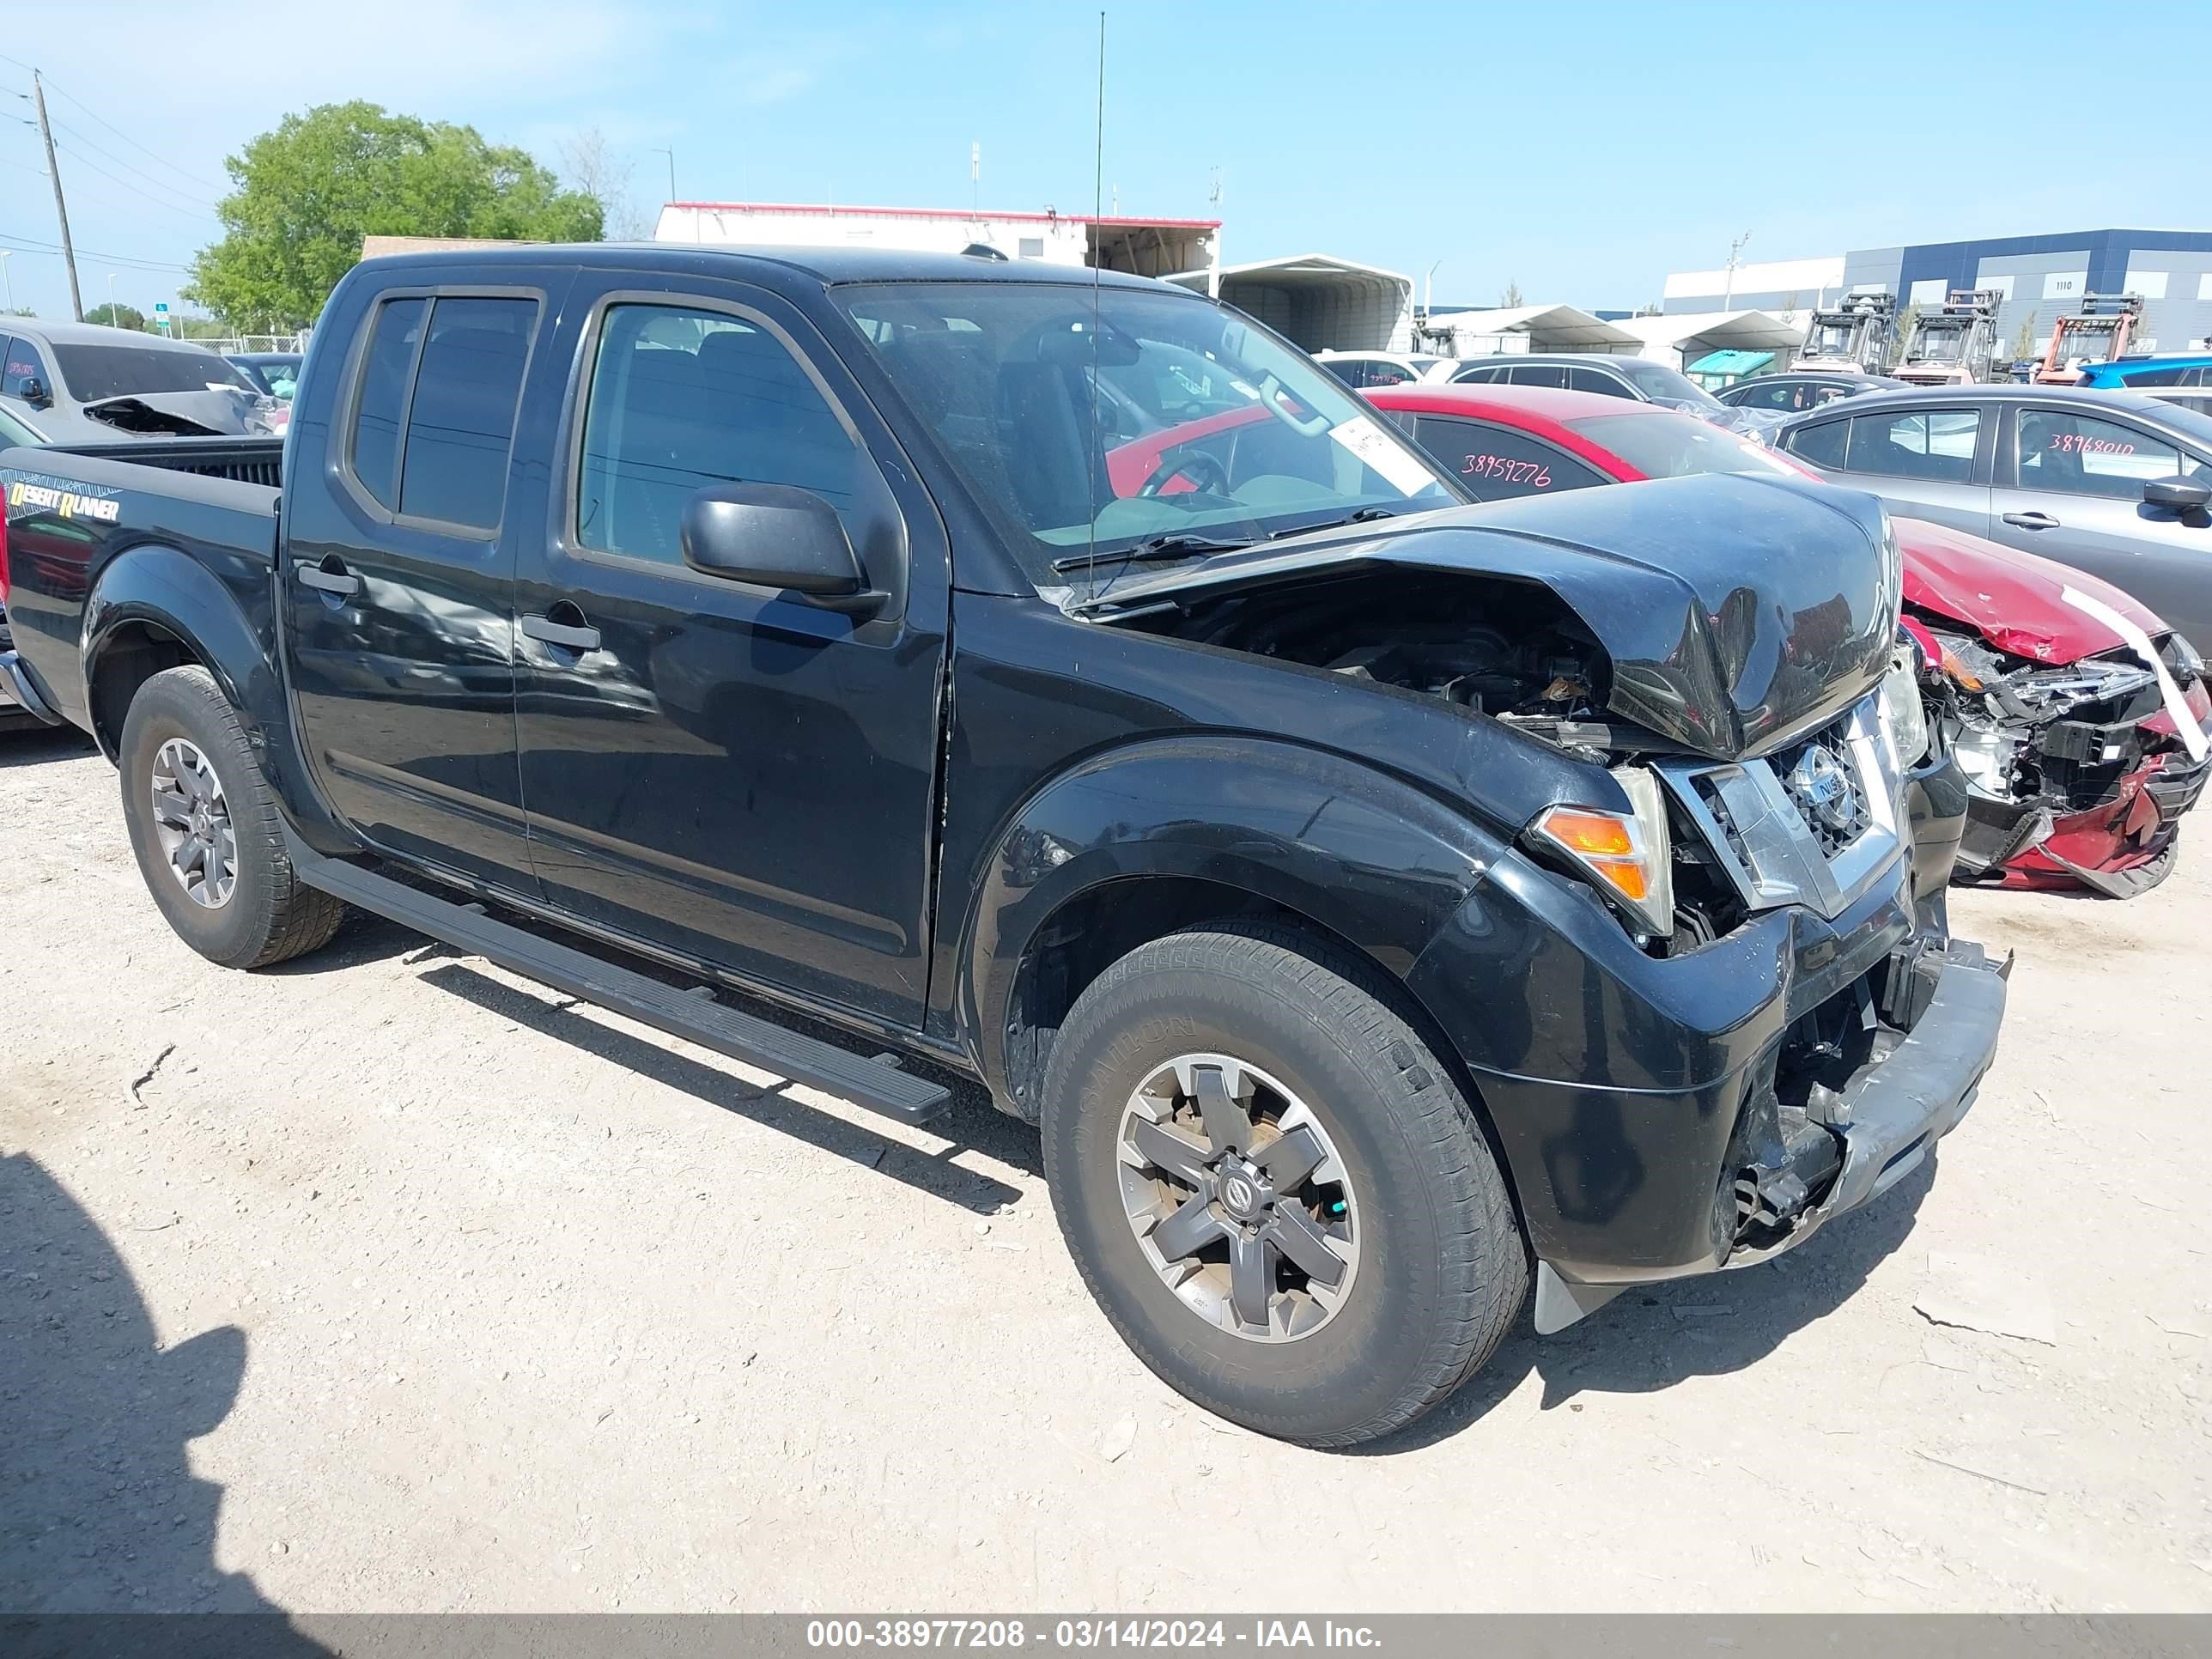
pixel 2031 521
pixel 577 636
pixel 330 576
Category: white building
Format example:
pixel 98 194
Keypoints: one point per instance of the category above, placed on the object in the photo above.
pixel 1680 340
pixel 1776 285
pixel 1147 247
pixel 1518 329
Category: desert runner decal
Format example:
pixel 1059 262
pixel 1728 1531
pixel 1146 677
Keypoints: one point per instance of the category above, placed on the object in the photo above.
pixel 69 503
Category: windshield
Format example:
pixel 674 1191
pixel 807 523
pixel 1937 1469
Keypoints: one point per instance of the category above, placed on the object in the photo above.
pixel 1942 345
pixel 1200 428
pixel 92 373
pixel 1830 340
pixel 1675 445
pixel 1660 383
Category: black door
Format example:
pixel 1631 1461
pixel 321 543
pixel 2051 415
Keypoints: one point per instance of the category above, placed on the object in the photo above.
pixel 713 767
pixel 400 582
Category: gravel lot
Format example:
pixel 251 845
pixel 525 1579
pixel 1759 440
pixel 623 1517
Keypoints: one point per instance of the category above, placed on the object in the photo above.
pixel 386 1281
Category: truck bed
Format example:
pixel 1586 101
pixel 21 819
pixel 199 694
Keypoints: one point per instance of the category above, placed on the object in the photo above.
pixel 183 510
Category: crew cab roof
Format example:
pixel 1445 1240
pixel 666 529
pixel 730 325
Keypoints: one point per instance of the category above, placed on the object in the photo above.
pixel 771 267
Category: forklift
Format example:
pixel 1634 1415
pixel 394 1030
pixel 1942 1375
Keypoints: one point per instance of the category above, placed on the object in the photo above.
pixel 1954 345
pixel 2098 333
pixel 1853 339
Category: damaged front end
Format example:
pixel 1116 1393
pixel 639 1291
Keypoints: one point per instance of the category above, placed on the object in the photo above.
pixel 2077 773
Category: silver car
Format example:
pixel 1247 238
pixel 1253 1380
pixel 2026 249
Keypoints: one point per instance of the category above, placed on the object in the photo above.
pixel 2112 482
pixel 1637 379
pixel 85 383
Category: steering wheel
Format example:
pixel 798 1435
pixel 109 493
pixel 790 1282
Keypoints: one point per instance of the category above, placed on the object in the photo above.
pixel 1189 464
pixel 1276 402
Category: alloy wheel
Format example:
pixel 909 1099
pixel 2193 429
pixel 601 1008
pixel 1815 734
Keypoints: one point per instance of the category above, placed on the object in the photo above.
pixel 1238 1199
pixel 192 818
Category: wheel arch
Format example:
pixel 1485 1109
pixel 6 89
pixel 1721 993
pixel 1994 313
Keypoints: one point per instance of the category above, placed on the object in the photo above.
pixel 156 607
pixel 1164 836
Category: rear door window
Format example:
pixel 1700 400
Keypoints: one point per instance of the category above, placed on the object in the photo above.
pixel 1539 374
pixel 460 423
pixel 1935 445
pixel 381 404
pixel 1481 376
pixel 1596 379
pixel 433 420
pixel 1822 443
pixel 1498 463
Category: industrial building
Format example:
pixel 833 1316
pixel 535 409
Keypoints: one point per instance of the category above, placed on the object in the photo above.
pixel 2042 278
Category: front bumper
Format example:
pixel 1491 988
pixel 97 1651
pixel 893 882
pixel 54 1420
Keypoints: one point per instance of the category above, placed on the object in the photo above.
pixel 1884 1120
pixel 2119 848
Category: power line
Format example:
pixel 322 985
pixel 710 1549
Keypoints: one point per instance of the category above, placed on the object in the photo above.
pixel 204 183
pixel 53 251
pixel 158 184
pixel 183 212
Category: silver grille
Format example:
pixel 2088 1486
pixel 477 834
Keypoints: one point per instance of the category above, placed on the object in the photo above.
pixel 1814 823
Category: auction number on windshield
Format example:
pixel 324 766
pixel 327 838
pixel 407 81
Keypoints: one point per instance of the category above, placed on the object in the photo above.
pixel 1535 474
pixel 2082 442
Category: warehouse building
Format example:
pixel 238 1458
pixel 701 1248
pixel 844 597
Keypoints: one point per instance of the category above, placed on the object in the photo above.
pixel 2042 277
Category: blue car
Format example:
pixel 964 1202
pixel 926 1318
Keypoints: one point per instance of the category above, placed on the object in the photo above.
pixel 2185 380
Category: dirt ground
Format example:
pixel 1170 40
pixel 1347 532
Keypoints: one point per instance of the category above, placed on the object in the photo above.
pixel 385 1281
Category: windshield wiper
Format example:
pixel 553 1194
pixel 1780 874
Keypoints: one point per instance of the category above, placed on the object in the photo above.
pixel 1364 515
pixel 1159 549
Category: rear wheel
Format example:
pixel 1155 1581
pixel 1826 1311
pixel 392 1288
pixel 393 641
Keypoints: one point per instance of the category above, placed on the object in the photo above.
pixel 206 831
pixel 1273 1188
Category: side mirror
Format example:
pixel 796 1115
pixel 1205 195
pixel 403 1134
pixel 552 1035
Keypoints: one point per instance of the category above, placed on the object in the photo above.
pixel 34 393
pixel 2178 494
pixel 777 536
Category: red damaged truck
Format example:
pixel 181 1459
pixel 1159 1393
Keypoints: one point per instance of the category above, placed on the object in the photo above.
pixel 2077 716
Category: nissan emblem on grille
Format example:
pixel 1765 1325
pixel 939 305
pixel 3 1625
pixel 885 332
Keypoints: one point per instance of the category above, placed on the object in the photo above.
pixel 1827 795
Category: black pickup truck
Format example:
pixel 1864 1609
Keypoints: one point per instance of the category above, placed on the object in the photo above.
pixel 893 669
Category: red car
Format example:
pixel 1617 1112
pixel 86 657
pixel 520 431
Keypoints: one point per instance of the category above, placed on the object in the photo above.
pixel 2076 715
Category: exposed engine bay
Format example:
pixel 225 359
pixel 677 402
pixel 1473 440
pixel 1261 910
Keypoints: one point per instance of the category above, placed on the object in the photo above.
pixel 2076 771
pixel 1511 650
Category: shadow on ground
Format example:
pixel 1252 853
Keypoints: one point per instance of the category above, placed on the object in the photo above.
pixel 1646 1340
pixel 99 1511
pixel 34 745
pixel 971 1124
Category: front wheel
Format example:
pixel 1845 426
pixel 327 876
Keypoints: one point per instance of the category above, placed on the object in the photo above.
pixel 205 828
pixel 1273 1188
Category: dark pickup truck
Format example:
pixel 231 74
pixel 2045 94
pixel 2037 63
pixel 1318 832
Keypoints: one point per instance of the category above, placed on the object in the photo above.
pixel 1378 902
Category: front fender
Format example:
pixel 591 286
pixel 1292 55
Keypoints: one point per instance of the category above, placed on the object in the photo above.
pixel 1374 861
pixel 179 594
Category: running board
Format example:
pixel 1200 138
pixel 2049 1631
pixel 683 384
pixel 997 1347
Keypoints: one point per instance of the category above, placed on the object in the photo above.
pixel 693 1015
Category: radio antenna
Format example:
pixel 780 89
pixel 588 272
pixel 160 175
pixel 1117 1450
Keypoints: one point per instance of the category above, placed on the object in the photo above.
pixel 1097 252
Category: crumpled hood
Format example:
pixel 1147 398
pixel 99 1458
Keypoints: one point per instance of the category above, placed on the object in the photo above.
pixel 2011 599
pixel 214 412
pixel 1737 610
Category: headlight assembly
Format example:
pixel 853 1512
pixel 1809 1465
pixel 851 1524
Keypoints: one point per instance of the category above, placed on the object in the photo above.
pixel 1627 855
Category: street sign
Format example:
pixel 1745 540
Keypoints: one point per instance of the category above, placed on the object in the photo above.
pixel 161 315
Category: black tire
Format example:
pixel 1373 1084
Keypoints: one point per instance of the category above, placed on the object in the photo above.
pixel 1442 1266
pixel 270 915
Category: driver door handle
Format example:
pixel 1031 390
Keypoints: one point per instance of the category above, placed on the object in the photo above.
pixel 563 625
pixel 330 576
pixel 2031 521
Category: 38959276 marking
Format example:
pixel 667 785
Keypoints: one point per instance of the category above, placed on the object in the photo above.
pixel 1535 474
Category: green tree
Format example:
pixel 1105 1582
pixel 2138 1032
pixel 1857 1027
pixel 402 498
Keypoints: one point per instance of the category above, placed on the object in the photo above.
pixel 305 195
pixel 1510 297
pixel 2023 340
pixel 1907 320
pixel 116 316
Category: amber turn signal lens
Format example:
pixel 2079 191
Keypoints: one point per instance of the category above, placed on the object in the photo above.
pixel 1593 835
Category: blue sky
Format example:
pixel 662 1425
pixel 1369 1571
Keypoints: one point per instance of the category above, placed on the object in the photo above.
pixel 1580 150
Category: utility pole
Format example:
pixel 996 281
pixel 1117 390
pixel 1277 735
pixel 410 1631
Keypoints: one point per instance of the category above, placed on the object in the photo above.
pixel 61 207
pixel 1727 296
pixel 9 280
